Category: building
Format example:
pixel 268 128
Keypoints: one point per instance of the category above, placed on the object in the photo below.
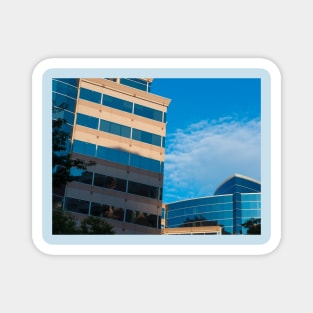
pixel 235 201
pixel 119 126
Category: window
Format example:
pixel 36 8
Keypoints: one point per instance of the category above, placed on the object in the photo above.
pixel 114 128
pixel 143 190
pixel 107 211
pixel 148 112
pixel 64 89
pixel 76 205
pixel 146 163
pixel 87 121
pixel 110 182
pixel 64 114
pixel 146 137
pixel 90 95
pixel 84 148
pixel 117 103
pixel 136 83
pixel 65 102
pixel 81 176
pixel 113 155
pixel 141 218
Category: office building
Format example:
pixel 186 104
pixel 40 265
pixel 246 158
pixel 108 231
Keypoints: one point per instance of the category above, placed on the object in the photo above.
pixel 121 127
pixel 235 201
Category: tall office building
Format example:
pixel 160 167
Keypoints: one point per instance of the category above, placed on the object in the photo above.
pixel 121 127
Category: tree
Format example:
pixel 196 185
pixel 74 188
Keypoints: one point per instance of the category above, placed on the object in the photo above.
pixel 63 223
pixel 93 225
pixel 253 226
pixel 62 162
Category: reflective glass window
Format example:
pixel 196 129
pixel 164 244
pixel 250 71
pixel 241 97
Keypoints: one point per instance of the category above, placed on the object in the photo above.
pixel 76 205
pixel 113 155
pixel 250 213
pixel 65 115
pixel 70 81
pixel 146 137
pixel 148 112
pixel 64 88
pixel 87 121
pixel 90 95
pixel 143 190
pixel 81 176
pixel 135 83
pixel 141 218
pixel 251 197
pixel 145 163
pixel 110 182
pixel 107 211
pixel 84 148
pixel 117 103
pixel 65 102
pixel 67 129
pixel 115 128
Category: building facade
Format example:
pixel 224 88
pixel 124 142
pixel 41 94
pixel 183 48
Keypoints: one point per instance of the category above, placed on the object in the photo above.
pixel 236 201
pixel 120 127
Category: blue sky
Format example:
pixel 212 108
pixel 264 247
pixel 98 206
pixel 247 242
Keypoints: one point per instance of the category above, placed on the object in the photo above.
pixel 213 131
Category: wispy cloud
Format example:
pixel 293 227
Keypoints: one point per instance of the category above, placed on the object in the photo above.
pixel 206 153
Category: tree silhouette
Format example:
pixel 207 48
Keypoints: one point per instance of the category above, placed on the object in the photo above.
pixel 92 225
pixel 62 162
pixel 253 226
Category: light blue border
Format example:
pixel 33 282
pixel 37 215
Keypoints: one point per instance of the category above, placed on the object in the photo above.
pixel 156 239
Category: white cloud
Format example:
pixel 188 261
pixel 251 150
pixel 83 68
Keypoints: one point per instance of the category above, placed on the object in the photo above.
pixel 202 156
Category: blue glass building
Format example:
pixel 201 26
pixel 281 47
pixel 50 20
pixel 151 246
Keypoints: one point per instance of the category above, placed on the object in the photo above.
pixel 235 202
pixel 119 127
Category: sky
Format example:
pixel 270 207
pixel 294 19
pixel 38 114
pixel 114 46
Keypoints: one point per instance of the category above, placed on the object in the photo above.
pixel 213 131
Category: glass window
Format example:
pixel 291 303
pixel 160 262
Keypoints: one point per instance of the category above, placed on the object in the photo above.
pixel 110 182
pixel 145 163
pixel 146 137
pixel 107 211
pixel 90 95
pixel 115 128
pixel 135 83
pixel 141 218
pixel 76 205
pixel 64 89
pixel 84 148
pixel 70 81
pixel 87 121
pixel 117 103
pixel 63 101
pixel 148 112
pixel 64 114
pixel 81 176
pixel 113 155
pixel 143 190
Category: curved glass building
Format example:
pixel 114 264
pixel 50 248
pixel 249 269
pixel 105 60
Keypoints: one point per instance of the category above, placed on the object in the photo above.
pixel 235 202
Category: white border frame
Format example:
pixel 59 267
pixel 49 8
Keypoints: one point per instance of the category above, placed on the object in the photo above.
pixel 156 63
